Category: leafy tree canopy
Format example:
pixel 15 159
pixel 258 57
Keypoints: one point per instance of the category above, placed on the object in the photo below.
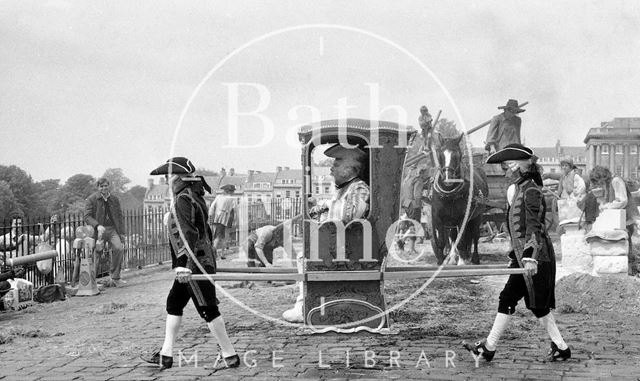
pixel 117 179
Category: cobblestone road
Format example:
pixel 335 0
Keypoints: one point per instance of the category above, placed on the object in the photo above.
pixel 101 338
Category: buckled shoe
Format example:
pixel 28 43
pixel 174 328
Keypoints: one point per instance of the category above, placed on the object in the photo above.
pixel 556 353
pixel 165 362
pixel 479 348
pixel 226 363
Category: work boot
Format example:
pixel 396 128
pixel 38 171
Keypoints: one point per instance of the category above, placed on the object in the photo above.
pixel 556 353
pixel 479 348
pixel 165 362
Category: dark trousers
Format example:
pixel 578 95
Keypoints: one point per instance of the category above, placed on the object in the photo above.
pixel 539 295
pixel 203 294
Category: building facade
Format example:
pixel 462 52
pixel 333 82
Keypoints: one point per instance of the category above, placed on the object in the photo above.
pixel 549 157
pixel 615 145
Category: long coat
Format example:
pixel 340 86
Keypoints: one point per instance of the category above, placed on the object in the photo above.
pixel 529 238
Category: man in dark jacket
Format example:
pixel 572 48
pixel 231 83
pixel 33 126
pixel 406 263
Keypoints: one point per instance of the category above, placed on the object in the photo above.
pixel 532 249
pixel 192 252
pixel 103 212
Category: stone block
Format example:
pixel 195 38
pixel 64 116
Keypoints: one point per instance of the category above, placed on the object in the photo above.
pixel 568 211
pixel 609 248
pixel 576 254
pixel 610 265
pixel 610 219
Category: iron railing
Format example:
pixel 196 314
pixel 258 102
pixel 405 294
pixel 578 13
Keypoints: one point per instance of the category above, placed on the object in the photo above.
pixel 146 237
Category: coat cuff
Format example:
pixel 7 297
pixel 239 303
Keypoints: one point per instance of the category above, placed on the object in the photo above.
pixel 531 248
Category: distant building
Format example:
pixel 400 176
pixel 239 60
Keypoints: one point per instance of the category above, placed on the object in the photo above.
pixel 283 187
pixel 322 183
pixel 259 186
pixel 615 145
pixel 157 197
pixel 233 178
pixel 288 183
pixel 549 157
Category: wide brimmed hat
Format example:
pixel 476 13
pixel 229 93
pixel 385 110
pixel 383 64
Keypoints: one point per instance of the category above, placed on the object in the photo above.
pixel 228 188
pixel 338 151
pixel 175 166
pixel 512 105
pixel 513 151
pixel 568 160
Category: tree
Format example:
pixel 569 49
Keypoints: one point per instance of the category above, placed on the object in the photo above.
pixel 45 194
pixel 117 179
pixel 74 192
pixel 80 185
pixel 76 207
pixel 138 192
pixel 8 202
pixel 21 184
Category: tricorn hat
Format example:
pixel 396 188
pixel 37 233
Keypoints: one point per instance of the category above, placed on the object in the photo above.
pixel 228 188
pixel 175 166
pixel 512 105
pixel 337 150
pixel 513 151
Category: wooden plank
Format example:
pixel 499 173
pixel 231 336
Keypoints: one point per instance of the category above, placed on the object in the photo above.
pixel 248 276
pixel 451 273
pixel 330 276
pixel 262 270
pixel 447 267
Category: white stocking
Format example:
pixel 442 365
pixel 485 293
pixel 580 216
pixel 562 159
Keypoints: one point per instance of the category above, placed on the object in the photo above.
pixel 499 325
pixel 217 328
pixel 170 333
pixel 549 323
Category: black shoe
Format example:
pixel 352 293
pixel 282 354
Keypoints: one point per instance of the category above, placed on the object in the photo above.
pixel 479 348
pixel 556 353
pixel 165 362
pixel 226 363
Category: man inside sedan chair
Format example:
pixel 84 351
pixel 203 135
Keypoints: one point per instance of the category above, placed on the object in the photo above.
pixel 532 250
pixel 349 202
pixel 192 252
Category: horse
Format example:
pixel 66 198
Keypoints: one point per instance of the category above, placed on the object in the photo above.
pixel 450 194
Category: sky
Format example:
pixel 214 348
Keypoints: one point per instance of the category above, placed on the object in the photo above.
pixel 89 85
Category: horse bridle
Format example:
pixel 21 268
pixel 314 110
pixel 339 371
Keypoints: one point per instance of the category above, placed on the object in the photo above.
pixel 452 193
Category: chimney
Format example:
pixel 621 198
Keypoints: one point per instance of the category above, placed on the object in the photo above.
pixel 278 169
pixel 223 172
pixel 286 168
pixel 231 172
pixel 149 184
pixel 251 173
